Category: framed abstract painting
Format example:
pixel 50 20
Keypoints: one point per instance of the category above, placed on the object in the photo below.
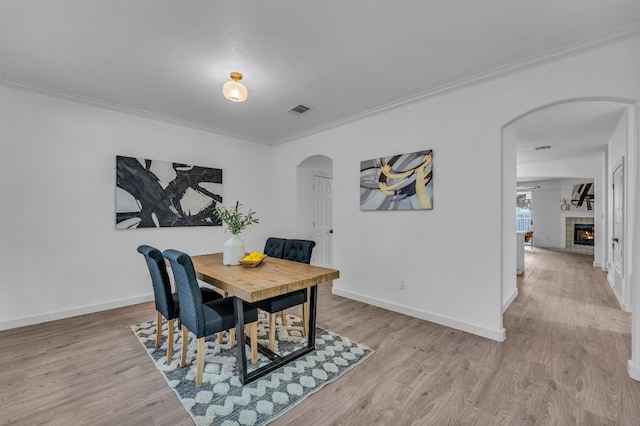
pixel 397 182
pixel 156 194
pixel 582 196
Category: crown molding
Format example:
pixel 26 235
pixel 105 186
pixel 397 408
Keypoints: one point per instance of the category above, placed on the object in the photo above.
pixel 555 55
pixel 548 57
pixel 73 97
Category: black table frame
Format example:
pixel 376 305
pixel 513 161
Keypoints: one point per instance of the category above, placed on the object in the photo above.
pixel 276 360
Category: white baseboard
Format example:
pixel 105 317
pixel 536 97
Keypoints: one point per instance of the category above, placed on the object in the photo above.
pixel 633 370
pixel 493 334
pixel 67 313
pixel 624 306
pixel 509 300
pixel 610 280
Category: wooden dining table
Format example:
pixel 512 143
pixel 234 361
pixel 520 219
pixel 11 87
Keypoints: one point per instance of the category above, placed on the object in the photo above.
pixel 271 278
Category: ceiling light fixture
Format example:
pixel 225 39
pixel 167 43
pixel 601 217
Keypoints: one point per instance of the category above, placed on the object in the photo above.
pixel 234 90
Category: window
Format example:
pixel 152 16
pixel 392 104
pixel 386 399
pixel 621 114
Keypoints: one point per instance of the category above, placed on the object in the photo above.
pixel 523 211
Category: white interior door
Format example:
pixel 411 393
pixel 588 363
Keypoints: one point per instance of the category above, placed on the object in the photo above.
pixel 321 208
pixel 617 242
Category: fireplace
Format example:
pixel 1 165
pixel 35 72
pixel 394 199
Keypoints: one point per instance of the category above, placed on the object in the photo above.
pixel 577 238
pixel 583 234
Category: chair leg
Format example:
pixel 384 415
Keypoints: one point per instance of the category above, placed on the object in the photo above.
pixel 220 334
pixel 200 361
pixel 158 327
pixel 272 332
pixel 253 334
pixel 284 317
pixel 232 337
pixel 305 318
pixel 185 342
pixel 170 341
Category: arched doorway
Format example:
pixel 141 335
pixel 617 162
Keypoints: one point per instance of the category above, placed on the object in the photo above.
pixel 315 206
pixel 629 153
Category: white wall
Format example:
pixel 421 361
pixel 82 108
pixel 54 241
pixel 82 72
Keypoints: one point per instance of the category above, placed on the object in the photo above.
pixel 546 214
pixel 633 126
pixel 450 257
pixel 60 253
pixel 509 250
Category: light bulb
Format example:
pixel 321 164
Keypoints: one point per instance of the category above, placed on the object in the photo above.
pixel 234 90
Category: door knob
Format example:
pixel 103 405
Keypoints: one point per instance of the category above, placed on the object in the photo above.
pixel 615 240
pixel 331 231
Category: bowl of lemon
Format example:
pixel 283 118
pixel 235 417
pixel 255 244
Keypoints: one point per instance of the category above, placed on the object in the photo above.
pixel 253 259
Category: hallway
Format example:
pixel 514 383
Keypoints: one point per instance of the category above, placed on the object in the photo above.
pixel 572 342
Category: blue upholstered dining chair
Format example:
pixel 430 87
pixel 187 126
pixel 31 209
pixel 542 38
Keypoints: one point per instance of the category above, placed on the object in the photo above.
pixel 167 304
pixel 298 251
pixel 274 247
pixel 205 319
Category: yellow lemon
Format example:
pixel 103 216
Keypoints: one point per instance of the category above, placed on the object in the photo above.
pixel 253 256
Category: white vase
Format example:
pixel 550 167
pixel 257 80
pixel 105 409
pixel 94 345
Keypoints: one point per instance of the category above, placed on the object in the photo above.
pixel 233 251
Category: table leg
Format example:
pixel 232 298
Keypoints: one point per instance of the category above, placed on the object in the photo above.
pixel 313 300
pixel 238 310
pixel 277 361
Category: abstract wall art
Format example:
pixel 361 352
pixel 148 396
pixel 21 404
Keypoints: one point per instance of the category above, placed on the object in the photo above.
pixel 582 196
pixel 156 194
pixel 398 182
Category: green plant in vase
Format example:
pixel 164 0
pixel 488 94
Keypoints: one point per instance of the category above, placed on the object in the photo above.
pixel 235 221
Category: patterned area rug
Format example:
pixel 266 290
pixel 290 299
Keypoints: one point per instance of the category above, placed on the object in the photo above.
pixel 222 400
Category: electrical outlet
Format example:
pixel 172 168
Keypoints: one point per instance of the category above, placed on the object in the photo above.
pixel 402 285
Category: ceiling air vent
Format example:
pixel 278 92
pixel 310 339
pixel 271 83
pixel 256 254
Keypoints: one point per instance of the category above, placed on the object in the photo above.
pixel 540 148
pixel 298 109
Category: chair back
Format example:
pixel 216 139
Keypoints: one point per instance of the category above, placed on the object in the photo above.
pixel 160 280
pixel 189 295
pixel 274 247
pixel 298 250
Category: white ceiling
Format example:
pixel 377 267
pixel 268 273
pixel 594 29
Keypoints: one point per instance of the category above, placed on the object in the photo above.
pixel 572 130
pixel 344 59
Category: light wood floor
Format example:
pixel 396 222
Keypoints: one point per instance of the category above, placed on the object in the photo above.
pixel 564 362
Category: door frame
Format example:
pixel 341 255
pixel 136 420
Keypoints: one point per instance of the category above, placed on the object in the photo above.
pixel 624 296
pixel 317 164
pixel 310 207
